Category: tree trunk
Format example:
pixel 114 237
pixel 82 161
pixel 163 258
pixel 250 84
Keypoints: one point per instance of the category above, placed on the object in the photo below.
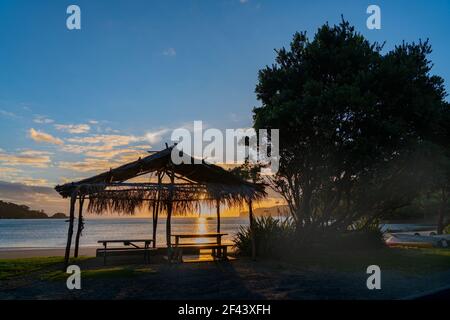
pixel 443 205
pixel 80 226
pixel 252 230
pixel 73 200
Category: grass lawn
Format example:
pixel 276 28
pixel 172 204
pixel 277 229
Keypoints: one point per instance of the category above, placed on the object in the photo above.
pixel 409 260
pixel 16 267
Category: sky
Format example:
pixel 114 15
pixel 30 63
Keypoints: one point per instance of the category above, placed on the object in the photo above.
pixel 76 102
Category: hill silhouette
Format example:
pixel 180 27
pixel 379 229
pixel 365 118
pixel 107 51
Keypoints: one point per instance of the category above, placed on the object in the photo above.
pixel 9 210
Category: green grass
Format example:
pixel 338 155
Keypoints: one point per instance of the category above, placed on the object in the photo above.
pixel 10 268
pixel 408 260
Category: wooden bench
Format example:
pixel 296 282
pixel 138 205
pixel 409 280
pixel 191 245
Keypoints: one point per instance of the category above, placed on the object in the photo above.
pixel 218 250
pixel 133 248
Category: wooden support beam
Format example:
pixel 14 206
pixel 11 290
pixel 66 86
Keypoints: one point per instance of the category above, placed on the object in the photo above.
pixel 169 212
pixel 80 225
pixel 218 215
pixel 73 200
pixel 156 208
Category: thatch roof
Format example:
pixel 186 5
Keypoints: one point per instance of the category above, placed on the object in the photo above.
pixel 201 182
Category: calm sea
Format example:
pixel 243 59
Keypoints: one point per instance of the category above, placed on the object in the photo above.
pixel 51 233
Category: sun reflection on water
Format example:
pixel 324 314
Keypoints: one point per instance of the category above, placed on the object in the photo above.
pixel 201 226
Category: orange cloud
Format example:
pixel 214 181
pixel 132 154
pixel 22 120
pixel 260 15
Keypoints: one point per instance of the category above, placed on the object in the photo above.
pixel 31 158
pixel 40 136
pixel 73 128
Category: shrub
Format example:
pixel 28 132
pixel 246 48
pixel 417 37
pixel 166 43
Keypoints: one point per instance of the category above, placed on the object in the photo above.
pixel 277 238
pixel 447 229
pixel 272 236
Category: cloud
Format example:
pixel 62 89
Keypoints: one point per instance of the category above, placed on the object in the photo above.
pixel 9 170
pixel 73 128
pixel 170 52
pixel 40 136
pixel 81 149
pixel 32 158
pixel 7 114
pixel 243 1
pixel 110 140
pixel 103 160
pixel 42 120
pixel 131 156
pixel 93 121
pixel 156 136
pixel 35 153
pixel 36 197
pixel 64 180
pixel 109 154
pixel 34 182
pixel 9 174
pixel 89 164
pixel 111 130
pixel 105 146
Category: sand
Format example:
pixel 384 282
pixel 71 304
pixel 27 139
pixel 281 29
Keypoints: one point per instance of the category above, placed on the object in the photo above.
pixel 15 253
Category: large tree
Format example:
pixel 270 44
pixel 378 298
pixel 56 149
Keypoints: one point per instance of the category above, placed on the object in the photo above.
pixel 356 125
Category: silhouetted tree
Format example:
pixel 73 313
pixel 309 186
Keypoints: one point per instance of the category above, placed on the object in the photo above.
pixel 355 124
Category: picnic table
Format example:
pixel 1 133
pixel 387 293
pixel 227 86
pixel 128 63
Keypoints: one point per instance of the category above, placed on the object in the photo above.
pixel 218 250
pixel 133 243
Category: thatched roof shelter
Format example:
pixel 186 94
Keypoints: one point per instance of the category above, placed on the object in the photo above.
pixel 188 186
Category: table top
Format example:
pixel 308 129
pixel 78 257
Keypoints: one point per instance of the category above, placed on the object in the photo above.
pixel 199 235
pixel 135 240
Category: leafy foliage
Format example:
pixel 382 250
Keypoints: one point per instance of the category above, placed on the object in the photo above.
pixel 278 238
pixel 447 229
pixel 272 237
pixel 357 127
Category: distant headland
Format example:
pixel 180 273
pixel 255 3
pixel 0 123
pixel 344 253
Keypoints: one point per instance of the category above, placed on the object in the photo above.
pixel 10 210
pixel 275 211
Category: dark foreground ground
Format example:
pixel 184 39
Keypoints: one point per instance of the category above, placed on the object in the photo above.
pixel 406 273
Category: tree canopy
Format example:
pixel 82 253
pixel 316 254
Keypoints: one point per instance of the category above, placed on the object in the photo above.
pixel 357 125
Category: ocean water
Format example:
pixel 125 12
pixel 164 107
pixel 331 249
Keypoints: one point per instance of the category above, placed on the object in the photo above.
pixel 52 233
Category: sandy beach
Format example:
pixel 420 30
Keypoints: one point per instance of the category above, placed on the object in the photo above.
pixel 17 253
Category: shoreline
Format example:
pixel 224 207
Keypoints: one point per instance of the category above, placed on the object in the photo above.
pixel 30 252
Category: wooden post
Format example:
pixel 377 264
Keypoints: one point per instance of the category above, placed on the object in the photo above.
pixel 153 223
pixel 252 231
pixel 218 215
pixel 156 210
pixel 80 225
pixel 73 200
pixel 169 212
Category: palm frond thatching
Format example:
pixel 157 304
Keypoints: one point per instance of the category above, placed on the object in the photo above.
pixel 206 183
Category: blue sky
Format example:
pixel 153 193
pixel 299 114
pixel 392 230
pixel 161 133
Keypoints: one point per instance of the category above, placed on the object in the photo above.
pixel 73 103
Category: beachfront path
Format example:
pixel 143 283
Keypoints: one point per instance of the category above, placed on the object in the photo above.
pixel 241 279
